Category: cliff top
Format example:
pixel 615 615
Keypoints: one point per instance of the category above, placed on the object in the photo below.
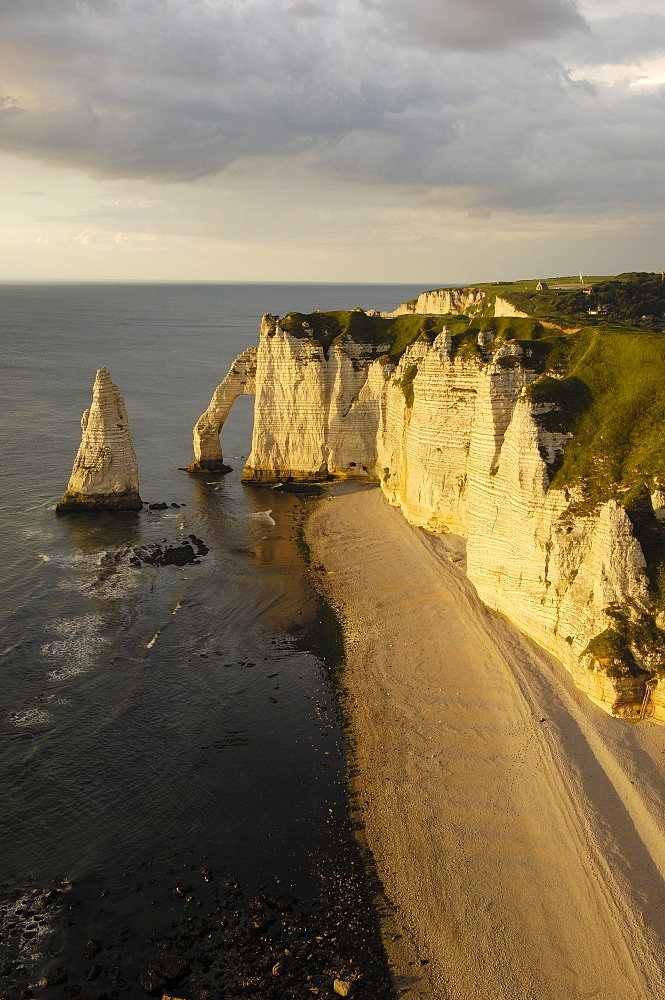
pixel 380 334
pixel 633 298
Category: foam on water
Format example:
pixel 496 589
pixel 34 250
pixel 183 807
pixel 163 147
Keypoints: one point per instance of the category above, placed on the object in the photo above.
pixel 26 924
pixel 262 515
pixel 64 673
pixel 79 643
pixel 30 717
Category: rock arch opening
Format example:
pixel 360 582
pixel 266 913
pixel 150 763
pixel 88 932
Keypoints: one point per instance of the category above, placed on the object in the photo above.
pixel 240 381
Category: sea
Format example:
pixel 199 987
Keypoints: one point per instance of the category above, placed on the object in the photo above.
pixel 174 816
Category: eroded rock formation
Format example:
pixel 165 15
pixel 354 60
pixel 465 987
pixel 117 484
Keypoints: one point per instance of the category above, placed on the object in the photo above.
pixel 105 474
pixel 458 441
pixel 442 302
pixel 239 381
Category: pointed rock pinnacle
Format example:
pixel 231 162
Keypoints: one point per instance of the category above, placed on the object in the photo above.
pixel 105 475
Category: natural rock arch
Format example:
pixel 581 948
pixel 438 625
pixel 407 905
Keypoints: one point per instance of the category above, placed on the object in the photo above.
pixel 240 381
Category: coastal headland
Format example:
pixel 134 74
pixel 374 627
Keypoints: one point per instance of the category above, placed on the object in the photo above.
pixel 517 830
pixel 526 417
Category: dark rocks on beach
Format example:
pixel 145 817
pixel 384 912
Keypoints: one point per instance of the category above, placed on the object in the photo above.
pixel 115 977
pixel 157 506
pixel 56 976
pixel 166 972
pixel 208 940
pixel 172 970
pixel 152 983
pixel 92 948
pixel 282 903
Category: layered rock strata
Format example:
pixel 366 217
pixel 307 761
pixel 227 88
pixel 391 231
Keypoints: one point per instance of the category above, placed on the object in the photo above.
pixel 105 475
pixel 442 302
pixel 456 302
pixel 457 442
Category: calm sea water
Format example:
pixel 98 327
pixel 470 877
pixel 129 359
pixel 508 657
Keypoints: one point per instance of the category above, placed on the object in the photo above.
pixel 156 714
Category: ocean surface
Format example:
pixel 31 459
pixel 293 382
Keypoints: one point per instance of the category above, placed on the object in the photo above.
pixel 159 726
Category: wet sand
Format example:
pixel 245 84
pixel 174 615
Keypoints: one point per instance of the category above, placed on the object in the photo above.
pixel 516 828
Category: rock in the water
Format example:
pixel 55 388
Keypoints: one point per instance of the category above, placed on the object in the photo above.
pixel 170 555
pixel 105 475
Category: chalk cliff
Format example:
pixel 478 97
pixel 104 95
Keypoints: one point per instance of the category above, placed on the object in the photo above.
pixel 465 432
pixel 105 473
pixel 442 301
pixel 239 381
pixel 456 302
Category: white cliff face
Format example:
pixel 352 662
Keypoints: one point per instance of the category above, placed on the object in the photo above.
pixel 105 473
pixel 309 421
pixel 240 380
pixel 553 575
pixel 455 302
pixel 456 442
pixel 504 308
pixel 424 446
pixel 442 302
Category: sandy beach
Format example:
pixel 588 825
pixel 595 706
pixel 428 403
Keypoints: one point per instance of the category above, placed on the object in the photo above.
pixel 516 828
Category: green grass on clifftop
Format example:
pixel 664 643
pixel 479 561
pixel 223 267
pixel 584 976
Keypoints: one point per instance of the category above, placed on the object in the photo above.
pixel 635 298
pixel 611 394
pixel 387 336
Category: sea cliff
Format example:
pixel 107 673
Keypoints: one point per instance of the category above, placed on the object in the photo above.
pixel 505 428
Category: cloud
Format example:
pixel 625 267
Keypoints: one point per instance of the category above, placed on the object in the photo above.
pixel 479 24
pixel 472 104
pixel 305 8
pixel 624 39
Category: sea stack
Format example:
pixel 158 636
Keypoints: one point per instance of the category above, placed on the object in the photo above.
pixel 105 475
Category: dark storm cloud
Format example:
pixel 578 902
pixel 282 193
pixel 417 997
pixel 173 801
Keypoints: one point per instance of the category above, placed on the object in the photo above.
pixel 480 116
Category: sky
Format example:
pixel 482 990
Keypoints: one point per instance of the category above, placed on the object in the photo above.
pixel 425 141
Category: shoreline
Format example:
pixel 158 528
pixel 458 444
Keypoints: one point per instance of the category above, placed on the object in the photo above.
pixel 516 828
